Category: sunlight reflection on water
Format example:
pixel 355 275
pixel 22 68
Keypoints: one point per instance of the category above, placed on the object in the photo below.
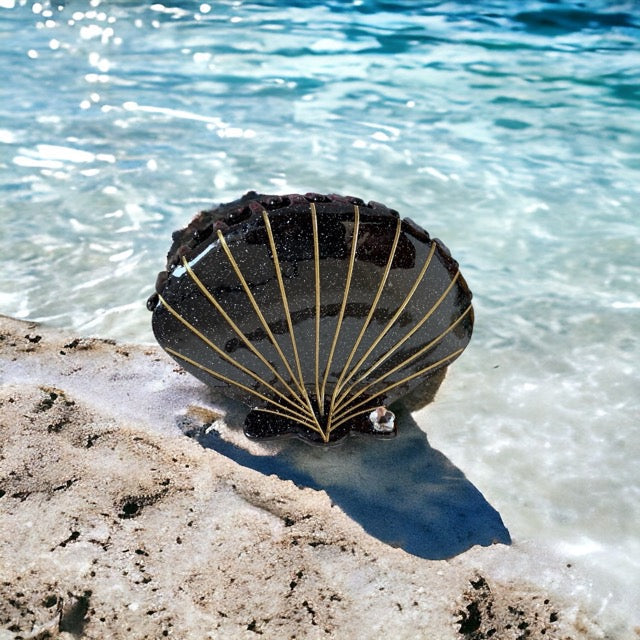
pixel 511 132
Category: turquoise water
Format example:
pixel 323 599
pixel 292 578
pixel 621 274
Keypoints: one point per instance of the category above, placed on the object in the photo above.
pixel 509 130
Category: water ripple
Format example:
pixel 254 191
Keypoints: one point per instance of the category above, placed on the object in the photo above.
pixel 510 130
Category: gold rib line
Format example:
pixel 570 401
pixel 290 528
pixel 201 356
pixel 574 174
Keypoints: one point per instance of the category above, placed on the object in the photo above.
pixel 405 361
pixel 244 387
pixel 351 416
pixel 342 418
pixel 285 304
pixel 215 348
pixel 316 260
pixel 347 286
pixel 400 342
pixel 391 322
pixel 372 310
pixel 256 308
pixel 278 413
pixel 300 403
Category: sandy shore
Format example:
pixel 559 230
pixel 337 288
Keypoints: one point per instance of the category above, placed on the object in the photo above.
pixel 115 525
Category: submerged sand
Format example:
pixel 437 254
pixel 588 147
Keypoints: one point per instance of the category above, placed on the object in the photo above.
pixel 116 525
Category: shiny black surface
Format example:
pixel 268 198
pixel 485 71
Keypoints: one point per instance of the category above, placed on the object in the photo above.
pixel 333 323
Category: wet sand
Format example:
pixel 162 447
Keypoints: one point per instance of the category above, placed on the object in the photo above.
pixel 116 525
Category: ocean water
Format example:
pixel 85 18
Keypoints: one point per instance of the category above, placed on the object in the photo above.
pixel 509 130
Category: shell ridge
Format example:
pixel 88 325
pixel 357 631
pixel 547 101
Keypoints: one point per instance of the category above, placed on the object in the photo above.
pixel 392 321
pixel 285 304
pixel 316 265
pixel 372 309
pixel 412 357
pixel 283 292
pixel 257 310
pixel 285 412
pixel 406 361
pixel 355 414
pixel 310 425
pixel 299 404
pixel 352 258
pixel 349 415
pixel 221 353
pixel 400 342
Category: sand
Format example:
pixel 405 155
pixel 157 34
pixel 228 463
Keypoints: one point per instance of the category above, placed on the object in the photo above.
pixel 114 524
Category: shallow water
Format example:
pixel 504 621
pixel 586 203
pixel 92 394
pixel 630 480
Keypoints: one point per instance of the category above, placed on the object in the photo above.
pixel 511 131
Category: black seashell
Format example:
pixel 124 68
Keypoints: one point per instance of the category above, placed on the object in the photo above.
pixel 316 311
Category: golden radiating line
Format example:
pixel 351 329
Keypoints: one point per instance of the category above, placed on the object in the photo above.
pixel 400 342
pixel 372 310
pixel 391 322
pixel 306 424
pixel 355 414
pixel 294 418
pixel 256 308
pixel 316 260
pixel 285 411
pixel 298 402
pixel 285 305
pixel 283 294
pixel 405 362
pixel 342 418
pixel 217 349
pixel 347 285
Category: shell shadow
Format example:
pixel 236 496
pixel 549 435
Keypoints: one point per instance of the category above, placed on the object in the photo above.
pixel 401 491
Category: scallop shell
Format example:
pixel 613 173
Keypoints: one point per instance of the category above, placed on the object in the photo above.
pixel 316 311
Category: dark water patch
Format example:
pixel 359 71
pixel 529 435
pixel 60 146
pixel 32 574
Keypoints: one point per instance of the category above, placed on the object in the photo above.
pixel 626 91
pixel 556 22
pixel 510 123
pixel 518 102
pixel 404 40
